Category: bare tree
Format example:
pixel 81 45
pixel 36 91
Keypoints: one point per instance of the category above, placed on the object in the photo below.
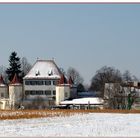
pixel 62 70
pixel 127 76
pixel 105 75
pixel 3 73
pixel 134 78
pixel 114 95
pixel 25 66
pixel 75 75
pixel 80 88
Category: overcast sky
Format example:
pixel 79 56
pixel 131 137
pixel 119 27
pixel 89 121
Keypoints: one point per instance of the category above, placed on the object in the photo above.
pixel 84 36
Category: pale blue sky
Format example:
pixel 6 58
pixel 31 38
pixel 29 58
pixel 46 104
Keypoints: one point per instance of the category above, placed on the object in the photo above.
pixel 84 36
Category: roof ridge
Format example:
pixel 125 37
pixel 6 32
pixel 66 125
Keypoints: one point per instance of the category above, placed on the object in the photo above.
pixel 45 60
pixel 15 80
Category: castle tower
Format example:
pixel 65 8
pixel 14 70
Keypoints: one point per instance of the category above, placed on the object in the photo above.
pixel 3 89
pixel 62 90
pixel 73 88
pixel 15 93
pixel 3 94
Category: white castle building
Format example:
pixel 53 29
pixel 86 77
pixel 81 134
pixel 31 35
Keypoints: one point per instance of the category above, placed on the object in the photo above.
pixel 44 85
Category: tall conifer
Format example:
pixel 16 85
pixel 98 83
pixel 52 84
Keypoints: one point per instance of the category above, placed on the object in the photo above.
pixel 14 66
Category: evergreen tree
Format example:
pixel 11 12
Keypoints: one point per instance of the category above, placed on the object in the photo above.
pixel 80 88
pixel 14 66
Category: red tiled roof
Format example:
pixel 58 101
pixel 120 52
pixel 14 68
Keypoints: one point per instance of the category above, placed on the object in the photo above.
pixel 70 81
pixel 1 80
pixel 15 80
pixel 63 80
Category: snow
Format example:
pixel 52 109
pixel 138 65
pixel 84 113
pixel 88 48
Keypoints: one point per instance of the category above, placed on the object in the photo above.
pixel 42 68
pixel 94 100
pixel 2 85
pixel 78 125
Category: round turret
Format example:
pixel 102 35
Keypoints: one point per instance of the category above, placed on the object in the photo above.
pixel 3 88
pixel 62 90
pixel 15 92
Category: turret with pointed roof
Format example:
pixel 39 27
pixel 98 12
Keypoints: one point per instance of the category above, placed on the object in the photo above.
pixel 63 80
pixel 2 81
pixel 15 92
pixel 62 90
pixel 3 88
pixel 15 80
pixel 70 81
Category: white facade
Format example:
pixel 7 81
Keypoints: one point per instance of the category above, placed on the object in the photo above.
pixel 4 104
pixel 3 91
pixel 4 101
pixel 15 95
pixel 48 90
pixel 41 81
pixel 62 93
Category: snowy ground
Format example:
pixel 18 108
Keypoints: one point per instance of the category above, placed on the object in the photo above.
pixel 78 125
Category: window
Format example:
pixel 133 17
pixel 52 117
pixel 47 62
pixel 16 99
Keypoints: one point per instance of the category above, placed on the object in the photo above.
pixel 66 94
pixel 27 92
pixel 47 92
pixel 37 73
pixel 50 72
pixel 34 92
pixel 47 82
pixel 54 92
pixel 55 82
pixel 39 92
pixel 27 82
pixel 2 95
pixel 39 83
pixel 34 82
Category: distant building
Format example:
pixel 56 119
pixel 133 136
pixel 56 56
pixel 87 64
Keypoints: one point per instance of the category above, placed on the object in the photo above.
pixel 85 103
pixel 87 94
pixel 116 94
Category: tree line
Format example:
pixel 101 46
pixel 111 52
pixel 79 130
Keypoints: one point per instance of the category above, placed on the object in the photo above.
pixel 106 74
pixel 109 75
pixel 21 66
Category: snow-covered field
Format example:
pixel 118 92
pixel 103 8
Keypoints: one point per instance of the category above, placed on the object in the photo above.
pixel 78 125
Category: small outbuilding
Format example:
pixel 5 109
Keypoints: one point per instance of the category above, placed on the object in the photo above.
pixel 84 103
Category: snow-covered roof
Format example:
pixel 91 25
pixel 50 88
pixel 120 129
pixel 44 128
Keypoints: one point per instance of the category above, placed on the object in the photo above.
pixel 46 69
pixel 84 101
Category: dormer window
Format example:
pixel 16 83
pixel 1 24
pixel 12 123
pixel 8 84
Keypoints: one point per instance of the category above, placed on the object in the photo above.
pixel 50 72
pixel 37 73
